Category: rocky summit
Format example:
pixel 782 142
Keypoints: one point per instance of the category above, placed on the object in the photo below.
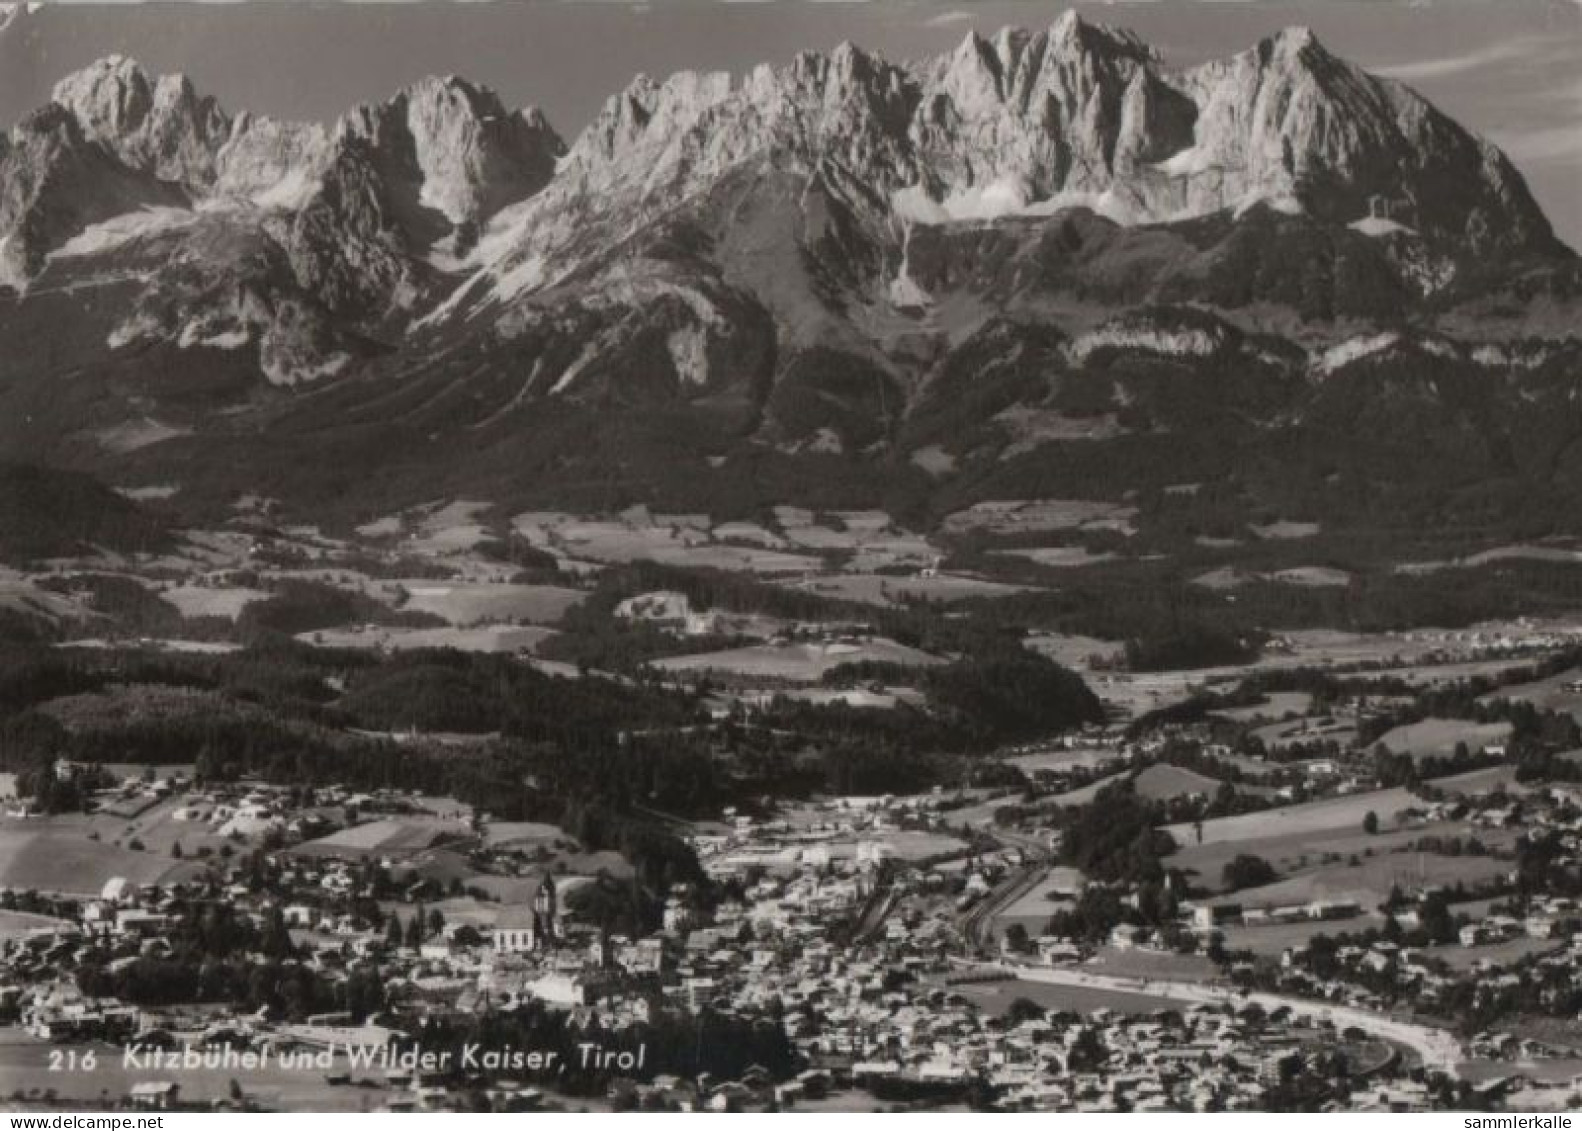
pixel 1041 255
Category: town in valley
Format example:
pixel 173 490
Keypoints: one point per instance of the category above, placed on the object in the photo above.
pixel 1036 576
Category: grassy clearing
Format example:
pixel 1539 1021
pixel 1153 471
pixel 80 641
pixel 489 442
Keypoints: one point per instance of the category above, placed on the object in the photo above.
pixel 883 589
pixel 1438 738
pixel 480 638
pixel 1295 852
pixel 1548 694
pixel 1328 815
pixel 1275 706
pixel 1272 940
pixel 470 603
pixel 1370 879
pixel 996 998
pixel 201 601
pixel 1161 783
pixel 61 858
pixel 1061 760
pixel 799 662
pixel 392 836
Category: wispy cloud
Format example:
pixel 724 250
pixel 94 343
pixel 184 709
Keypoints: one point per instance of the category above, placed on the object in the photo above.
pixel 1445 65
pixel 945 19
pixel 1549 145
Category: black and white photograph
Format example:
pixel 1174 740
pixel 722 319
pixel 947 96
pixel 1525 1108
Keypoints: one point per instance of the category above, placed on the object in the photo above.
pixel 790 556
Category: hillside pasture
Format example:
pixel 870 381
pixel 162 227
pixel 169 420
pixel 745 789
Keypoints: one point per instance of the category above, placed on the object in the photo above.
pixel 1553 694
pixel 1275 706
pixel 1294 853
pixel 1438 738
pixel 388 837
pixel 1059 760
pixel 1073 651
pixel 193 601
pixel 478 638
pixel 1328 815
pixel 16 925
pixel 805 663
pixel 889 590
pixel 637 536
pixel 1370 880
pixel 1042 516
pixel 1059 557
pixel 56 854
pixel 1163 783
pixel 465 604
pixel 996 997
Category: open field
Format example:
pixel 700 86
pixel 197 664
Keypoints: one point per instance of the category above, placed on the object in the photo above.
pixel 637 535
pixel 1559 555
pixel 59 857
pixel 1138 963
pixel 1275 706
pixel 884 589
pixel 1025 516
pixel 798 662
pixel 469 604
pixel 1318 577
pixel 996 997
pixel 1059 557
pixel 20 924
pixel 1162 782
pixel 1438 738
pixel 1271 940
pixel 524 835
pixel 1501 953
pixel 1062 759
pixel 1285 529
pixel 1293 852
pixel 1084 795
pixel 1416 657
pixel 1311 577
pixel 204 601
pixel 479 638
pixel 1486 780
pixel 1549 694
pixel 879 700
pixel 1292 732
pixel 1442 675
pixel 1297 820
pixel 1370 879
pixel 77 853
pixel 393 836
pixel 1054 892
pixel 1158 782
pixel 1073 651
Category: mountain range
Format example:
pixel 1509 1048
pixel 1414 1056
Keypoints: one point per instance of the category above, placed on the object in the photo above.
pixel 1046 263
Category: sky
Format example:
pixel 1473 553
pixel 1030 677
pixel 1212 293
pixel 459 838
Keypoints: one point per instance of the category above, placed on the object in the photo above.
pixel 1509 69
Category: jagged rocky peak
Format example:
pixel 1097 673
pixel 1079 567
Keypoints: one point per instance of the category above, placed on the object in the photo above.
pixel 159 126
pixel 471 155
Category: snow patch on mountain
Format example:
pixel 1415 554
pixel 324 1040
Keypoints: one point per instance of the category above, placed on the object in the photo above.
pixel 121 230
pixel 1379 226
pixel 1355 349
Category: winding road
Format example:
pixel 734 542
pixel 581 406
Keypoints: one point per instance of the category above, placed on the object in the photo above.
pixel 1439 1049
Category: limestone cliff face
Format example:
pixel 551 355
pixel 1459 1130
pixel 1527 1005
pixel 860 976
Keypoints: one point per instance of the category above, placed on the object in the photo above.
pixel 141 174
pixel 805 192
